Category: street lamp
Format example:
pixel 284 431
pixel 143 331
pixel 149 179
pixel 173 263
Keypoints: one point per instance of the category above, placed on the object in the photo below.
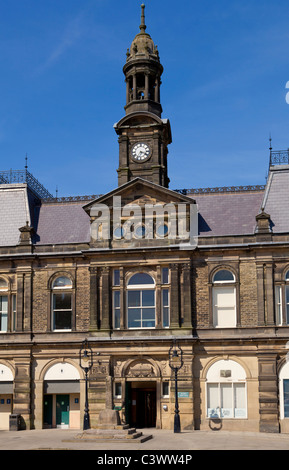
pixel 86 362
pixel 176 362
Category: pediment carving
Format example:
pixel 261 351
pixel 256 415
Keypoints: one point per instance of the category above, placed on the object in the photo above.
pixel 141 369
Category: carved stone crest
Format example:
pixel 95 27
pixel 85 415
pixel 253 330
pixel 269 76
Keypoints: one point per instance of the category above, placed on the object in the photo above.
pixel 141 370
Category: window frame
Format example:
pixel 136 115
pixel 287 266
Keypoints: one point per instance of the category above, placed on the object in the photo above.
pixel 10 315
pixel 220 285
pixel 58 290
pixel 214 377
pixel 140 288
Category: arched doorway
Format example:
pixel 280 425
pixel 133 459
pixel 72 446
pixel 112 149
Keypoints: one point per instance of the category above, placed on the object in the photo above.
pixel 61 400
pixel 142 394
pixel 6 396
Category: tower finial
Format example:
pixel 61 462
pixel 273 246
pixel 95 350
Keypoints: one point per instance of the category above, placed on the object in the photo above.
pixel 143 25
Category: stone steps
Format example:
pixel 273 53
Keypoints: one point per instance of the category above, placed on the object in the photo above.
pixel 117 433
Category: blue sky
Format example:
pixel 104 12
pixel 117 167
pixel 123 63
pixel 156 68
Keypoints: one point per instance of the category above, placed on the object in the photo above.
pixel 62 88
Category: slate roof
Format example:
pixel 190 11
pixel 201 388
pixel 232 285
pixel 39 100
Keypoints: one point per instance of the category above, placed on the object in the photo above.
pixel 276 198
pixel 60 223
pixel 220 214
pixel 14 212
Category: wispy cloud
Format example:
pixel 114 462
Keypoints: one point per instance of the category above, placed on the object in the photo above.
pixel 67 40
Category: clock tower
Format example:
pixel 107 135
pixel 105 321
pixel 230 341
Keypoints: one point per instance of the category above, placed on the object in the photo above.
pixel 143 135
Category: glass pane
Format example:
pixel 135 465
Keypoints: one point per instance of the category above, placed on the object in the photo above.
pixel 287 303
pixel 3 284
pixel 162 230
pixel 133 298
pixel 117 318
pixel 140 231
pixel 148 318
pixel 62 281
pixel 61 301
pixel 118 389
pixel 116 277
pixel 278 305
pixel 62 320
pixel 165 297
pixel 165 275
pixel 140 278
pixel 116 300
pixel 287 276
pixel 148 298
pixel 226 401
pixel 223 275
pixel 3 313
pixel 213 401
pixel 286 397
pixel 134 318
pixel 239 401
pixel 3 304
pixel 166 317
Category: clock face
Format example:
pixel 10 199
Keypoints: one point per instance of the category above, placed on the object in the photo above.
pixel 140 152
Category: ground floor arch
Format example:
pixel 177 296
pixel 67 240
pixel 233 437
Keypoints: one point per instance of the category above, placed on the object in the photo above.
pixel 59 396
pixel 6 395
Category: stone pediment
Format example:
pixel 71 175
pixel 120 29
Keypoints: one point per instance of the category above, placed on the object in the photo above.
pixel 140 191
pixel 140 213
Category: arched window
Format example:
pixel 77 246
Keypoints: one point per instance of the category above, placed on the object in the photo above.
pixel 62 304
pixel 226 390
pixel 141 305
pixel 3 305
pixel 224 299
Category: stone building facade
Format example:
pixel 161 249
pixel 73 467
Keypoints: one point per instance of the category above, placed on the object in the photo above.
pixel 66 275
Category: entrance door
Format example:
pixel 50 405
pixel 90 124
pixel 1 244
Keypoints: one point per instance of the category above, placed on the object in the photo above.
pixel 142 405
pixel 62 410
pixel 47 411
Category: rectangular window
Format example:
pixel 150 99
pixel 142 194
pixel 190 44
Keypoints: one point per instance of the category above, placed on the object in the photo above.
pixel 116 309
pixel 166 308
pixel 165 275
pixel 226 400
pixel 286 397
pixel 287 304
pixel 116 277
pixel 3 313
pixel 224 303
pixel 62 312
pixel 278 305
pixel 166 389
pixel 141 308
pixel 14 312
pixel 117 390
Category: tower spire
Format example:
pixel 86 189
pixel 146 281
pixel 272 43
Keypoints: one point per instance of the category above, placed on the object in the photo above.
pixel 143 25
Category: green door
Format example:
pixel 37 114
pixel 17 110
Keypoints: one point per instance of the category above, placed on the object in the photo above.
pixel 62 410
pixel 47 411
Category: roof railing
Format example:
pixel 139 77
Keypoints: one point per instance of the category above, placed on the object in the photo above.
pixel 279 157
pixel 23 176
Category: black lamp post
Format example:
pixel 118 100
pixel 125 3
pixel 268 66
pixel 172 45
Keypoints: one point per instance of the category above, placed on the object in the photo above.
pixel 176 362
pixel 86 362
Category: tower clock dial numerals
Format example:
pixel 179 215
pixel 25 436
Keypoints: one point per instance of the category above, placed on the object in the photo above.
pixel 140 152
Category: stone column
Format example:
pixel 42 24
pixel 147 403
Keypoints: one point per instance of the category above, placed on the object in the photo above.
pixel 174 298
pixel 260 294
pixel 94 320
pixel 106 301
pixel 268 393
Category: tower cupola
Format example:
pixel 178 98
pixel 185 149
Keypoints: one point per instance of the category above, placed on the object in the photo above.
pixel 143 72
